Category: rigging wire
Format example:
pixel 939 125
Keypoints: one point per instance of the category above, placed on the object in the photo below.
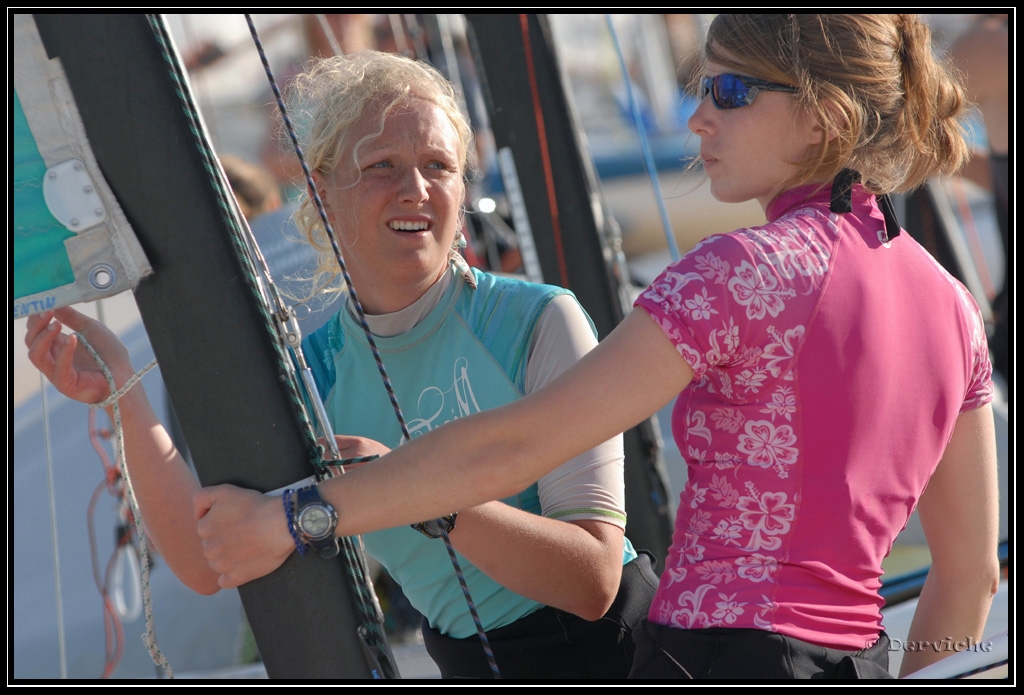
pixel 112 628
pixel 399 33
pixel 419 47
pixel 201 84
pixel 61 650
pixel 645 146
pixel 281 322
pixel 286 322
pixel 282 329
pixel 485 643
pixel 970 230
pixel 451 61
pixel 542 137
pixel 329 33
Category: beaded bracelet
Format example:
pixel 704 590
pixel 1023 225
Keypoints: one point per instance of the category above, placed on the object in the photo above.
pixel 289 512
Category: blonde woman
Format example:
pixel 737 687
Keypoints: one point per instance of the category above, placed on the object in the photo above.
pixel 556 584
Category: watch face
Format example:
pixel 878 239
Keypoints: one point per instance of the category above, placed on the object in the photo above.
pixel 315 521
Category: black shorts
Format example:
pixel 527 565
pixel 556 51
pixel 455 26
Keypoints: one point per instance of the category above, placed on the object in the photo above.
pixel 723 653
pixel 554 644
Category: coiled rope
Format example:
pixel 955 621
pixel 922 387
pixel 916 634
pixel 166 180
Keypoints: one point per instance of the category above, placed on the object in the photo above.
pixel 149 638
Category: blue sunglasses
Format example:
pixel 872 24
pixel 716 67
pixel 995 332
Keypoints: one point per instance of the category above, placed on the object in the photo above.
pixel 735 91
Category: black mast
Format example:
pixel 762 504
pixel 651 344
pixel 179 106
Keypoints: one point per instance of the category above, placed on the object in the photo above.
pixel 220 364
pixel 577 242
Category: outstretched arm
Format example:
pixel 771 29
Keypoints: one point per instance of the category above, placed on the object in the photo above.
pixel 572 565
pixel 628 377
pixel 959 513
pixel 162 481
pixel 635 371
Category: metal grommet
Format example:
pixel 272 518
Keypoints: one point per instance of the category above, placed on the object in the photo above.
pixel 102 277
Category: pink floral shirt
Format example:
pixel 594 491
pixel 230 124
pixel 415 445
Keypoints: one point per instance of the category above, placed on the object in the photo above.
pixel 830 365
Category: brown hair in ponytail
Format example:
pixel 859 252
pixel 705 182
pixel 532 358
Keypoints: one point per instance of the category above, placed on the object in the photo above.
pixel 892 110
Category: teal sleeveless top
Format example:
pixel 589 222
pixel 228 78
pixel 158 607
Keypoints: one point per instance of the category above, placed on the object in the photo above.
pixel 468 355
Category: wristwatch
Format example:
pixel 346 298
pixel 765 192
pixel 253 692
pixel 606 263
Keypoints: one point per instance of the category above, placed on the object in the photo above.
pixel 435 528
pixel 315 521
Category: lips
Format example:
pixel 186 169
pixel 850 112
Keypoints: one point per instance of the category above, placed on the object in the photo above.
pixel 709 162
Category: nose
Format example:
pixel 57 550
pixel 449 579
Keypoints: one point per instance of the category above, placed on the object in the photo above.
pixel 413 186
pixel 701 121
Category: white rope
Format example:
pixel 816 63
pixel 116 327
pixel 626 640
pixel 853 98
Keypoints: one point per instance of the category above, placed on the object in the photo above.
pixel 149 638
pixel 116 396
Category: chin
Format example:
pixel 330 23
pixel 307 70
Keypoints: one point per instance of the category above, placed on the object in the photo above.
pixel 725 196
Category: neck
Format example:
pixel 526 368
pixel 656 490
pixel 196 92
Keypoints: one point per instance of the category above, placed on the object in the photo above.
pixel 403 320
pixel 379 297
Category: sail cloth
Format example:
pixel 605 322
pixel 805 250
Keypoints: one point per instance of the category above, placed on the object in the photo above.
pixel 72 242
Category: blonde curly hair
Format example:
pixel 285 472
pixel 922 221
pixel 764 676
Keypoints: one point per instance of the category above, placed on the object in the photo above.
pixel 330 97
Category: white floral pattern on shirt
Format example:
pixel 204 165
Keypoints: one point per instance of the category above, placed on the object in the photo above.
pixel 727 296
pixel 739 309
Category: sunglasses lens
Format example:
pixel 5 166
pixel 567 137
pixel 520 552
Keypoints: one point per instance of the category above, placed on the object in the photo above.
pixel 729 92
pixel 734 91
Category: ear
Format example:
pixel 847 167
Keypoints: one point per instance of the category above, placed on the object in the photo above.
pixel 836 121
pixel 819 133
pixel 813 126
pixel 321 183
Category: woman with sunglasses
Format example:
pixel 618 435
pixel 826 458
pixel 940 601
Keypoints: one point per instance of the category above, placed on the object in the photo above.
pixel 829 377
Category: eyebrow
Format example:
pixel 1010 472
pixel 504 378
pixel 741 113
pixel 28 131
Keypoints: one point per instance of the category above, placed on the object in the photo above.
pixel 372 150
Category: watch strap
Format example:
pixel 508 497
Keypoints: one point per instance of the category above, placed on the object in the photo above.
pixel 288 499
